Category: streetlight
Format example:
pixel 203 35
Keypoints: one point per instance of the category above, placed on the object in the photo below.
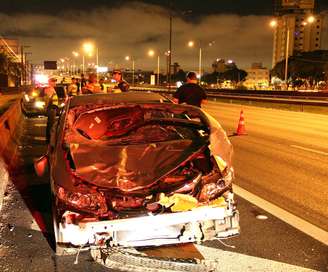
pixel 274 24
pixel 151 53
pixel 191 44
pixel 88 49
pixel 128 58
pixel 311 19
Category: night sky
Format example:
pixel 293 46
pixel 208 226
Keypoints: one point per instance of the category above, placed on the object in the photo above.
pixel 203 7
pixel 119 28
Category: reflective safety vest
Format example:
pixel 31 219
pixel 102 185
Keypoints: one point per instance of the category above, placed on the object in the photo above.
pixel 54 99
pixel 93 88
pixel 72 89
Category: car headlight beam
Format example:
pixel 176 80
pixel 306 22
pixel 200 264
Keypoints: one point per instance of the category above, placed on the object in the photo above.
pixel 39 104
pixel 27 99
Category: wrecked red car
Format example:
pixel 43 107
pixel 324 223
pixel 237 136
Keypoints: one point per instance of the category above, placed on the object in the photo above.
pixel 135 169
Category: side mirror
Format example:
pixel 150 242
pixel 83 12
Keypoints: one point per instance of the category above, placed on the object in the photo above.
pixel 41 165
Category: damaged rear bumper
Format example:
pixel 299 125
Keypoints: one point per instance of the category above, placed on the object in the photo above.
pixel 205 223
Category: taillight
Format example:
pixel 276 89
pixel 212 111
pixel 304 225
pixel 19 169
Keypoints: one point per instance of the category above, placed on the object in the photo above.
pixel 93 201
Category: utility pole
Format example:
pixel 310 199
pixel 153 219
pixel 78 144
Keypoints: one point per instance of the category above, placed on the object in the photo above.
pixel 170 45
pixel 158 83
pixel 22 65
pixel 287 55
pixel 200 64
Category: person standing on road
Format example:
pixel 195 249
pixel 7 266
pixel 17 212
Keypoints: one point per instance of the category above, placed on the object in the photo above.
pixel 93 86
pixel 121 84
pixel 52 105
pixel 190 92
pixel 101 83
pixel 83 82
pixel 72 88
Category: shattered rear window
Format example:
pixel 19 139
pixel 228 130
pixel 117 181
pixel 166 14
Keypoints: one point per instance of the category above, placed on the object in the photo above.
pixel 137 124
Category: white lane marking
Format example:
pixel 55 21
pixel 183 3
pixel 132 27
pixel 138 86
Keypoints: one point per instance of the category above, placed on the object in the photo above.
pixel 310 150
pixel 39 138
pixel 40 125
pixel 232 261
pixel 298 223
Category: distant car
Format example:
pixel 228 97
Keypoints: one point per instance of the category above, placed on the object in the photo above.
pixel 134 169
pixel 34 101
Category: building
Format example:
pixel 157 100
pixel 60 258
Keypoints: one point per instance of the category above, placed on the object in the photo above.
pixel 10 66
pixel 10 46
pixel 258 77
pixel 297 29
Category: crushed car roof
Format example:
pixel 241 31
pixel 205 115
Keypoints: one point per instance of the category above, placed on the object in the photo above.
pixel 137 97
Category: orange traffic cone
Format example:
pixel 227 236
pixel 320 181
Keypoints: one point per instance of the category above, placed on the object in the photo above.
pixel 241 130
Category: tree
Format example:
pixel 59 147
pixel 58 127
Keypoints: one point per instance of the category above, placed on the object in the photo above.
pixel 180 75
pixel 224 70
pixel 310 66
pixel 234 74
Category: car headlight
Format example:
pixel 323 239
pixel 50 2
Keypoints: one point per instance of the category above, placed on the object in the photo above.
pixel 92 201
pixel 39 104
pixel 27 99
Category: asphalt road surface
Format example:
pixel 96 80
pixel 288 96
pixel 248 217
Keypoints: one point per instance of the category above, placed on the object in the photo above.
pixel 266 164
pixel 283 159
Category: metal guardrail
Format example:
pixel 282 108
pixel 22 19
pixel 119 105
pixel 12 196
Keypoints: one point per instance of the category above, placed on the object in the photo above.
pixel 297 100
pixel 320 95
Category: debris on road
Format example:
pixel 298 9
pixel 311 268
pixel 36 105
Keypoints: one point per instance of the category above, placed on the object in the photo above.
pixel 11 227
pixel 261 217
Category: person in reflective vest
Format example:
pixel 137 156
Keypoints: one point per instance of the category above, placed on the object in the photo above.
pixel 52 105
pixel 73 88
pixel 92 86
pixel 121 84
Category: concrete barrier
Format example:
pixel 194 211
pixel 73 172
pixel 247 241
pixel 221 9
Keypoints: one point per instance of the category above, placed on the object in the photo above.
pixel 9 122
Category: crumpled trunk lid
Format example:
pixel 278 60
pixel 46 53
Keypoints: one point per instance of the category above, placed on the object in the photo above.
pixel 130 167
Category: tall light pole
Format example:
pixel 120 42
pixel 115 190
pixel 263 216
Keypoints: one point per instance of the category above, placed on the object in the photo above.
pixel 170 46
pixel 133 63
pixel 76 55
pixel 192 44
pixel 88 49
pixel 287 54
pixel 275 24
pixel 151 53
pixel 158 83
